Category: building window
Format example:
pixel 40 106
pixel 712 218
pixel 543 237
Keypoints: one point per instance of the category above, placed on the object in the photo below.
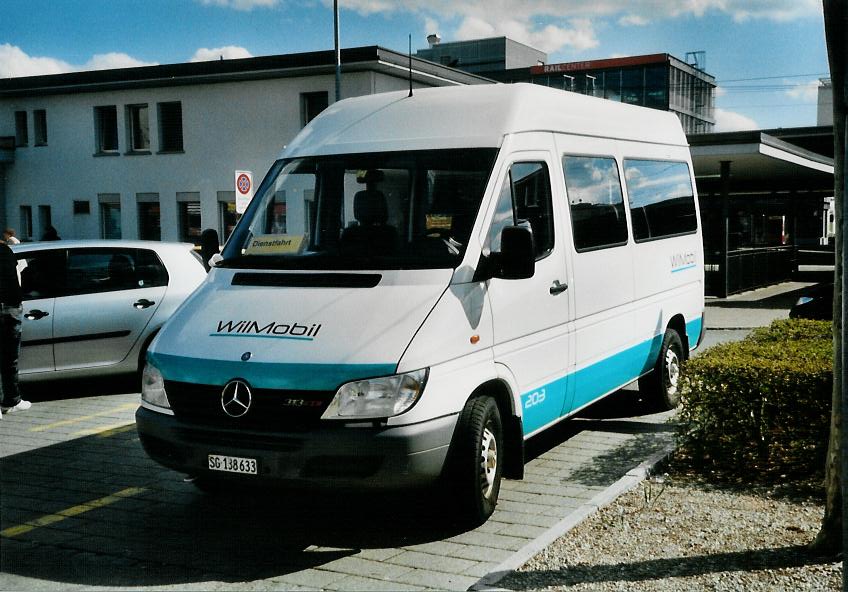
pixel 110 215
pixel 40 124
pixel 170 127
pixel 26 223
pixel 21 132
pixel 138 128
pixel 188 216
pixel 149 217
pixel 596 202
pixel 106 129
pixel 227 216
pixel 82 207
pixel 311 104
pixel 45 220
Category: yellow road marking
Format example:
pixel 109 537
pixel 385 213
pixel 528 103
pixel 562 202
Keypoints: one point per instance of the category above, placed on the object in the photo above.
pixel 48 519
pixel 73 420
pixel 106 431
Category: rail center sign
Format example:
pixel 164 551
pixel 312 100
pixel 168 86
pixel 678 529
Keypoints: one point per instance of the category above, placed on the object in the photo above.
pixel 244 190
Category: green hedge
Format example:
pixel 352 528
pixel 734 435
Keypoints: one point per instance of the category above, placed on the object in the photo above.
pixel 760 407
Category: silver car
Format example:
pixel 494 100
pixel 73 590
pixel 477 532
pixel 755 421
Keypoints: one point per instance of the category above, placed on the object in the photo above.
pixel 91 308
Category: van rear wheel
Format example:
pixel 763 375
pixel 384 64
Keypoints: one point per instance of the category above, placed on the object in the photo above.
pixel 476 464
pixel 662 384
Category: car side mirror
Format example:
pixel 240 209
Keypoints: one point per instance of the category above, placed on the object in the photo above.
pixel 517 257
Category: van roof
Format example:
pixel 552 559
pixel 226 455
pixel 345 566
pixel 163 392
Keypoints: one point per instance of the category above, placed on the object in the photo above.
pixel 475 117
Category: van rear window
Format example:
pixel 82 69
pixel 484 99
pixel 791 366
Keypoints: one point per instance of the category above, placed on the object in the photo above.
pixel 662 202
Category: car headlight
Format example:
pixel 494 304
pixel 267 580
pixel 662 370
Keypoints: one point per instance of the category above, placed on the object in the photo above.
pixel 153 387
pixel 374 398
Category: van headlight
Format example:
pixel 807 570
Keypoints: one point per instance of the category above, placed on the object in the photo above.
pixel 374 398
pixel 153 387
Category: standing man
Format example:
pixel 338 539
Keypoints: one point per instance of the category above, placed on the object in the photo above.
pixel 11 315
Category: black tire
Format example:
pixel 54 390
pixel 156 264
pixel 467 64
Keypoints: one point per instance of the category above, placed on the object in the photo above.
pixel 477 460
pixel 661 386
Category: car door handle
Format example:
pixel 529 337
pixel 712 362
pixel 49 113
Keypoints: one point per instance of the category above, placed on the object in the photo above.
pixel 36 314
pixel 143 303
pixel 558 288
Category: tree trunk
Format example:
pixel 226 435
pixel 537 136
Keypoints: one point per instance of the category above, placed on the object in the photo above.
pixel 831 536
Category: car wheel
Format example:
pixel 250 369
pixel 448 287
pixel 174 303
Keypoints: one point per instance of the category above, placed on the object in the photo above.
pixel 477 460
pixel 662 384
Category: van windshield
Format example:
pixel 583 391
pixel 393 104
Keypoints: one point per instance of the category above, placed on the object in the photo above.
pixel 390 210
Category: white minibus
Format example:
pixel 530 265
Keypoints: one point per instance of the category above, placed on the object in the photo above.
pixel 422 283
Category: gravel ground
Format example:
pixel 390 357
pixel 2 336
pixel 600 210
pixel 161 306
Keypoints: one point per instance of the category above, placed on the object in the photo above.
pixel 678 534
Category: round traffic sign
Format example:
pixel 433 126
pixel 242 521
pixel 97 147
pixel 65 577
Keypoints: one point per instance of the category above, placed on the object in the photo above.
pixel 243 184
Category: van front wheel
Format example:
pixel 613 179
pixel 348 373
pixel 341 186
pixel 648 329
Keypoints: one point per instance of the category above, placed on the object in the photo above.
pixel 477 460
pixel 662 384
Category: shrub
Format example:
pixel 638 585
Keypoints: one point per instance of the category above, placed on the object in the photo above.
pixel 760 407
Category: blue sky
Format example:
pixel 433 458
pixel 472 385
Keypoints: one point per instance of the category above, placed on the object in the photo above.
pixel 767 55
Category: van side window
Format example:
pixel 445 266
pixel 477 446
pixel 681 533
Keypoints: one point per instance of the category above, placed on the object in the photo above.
pixel 662 201
pixel 596 202
pixel 525 200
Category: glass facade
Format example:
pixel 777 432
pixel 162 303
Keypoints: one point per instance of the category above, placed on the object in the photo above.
pixel 658 81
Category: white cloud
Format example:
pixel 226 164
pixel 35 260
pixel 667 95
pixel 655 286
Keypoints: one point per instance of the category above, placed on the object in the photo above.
pixel 107 61
pixel 558 24
pixel 228 52
pixel 807 92
pixel 720 91
pixel 16 62
pixel 245 5
pixel 729 121
pixel 633 20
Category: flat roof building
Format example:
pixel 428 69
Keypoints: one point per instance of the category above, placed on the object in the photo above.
pixel 151 152
pixel 659 81
pixel 483 55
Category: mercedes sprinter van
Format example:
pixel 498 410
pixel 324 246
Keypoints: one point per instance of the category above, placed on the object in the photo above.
pixel 421 284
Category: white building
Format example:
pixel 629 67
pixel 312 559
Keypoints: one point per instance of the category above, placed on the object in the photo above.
pixel 150 152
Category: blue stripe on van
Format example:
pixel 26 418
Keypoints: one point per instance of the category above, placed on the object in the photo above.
pixel 308 377
pixel 693 331
pixel 546 403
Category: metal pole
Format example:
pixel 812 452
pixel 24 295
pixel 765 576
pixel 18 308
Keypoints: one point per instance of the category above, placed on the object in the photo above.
pixel 725 228
pixel 338 50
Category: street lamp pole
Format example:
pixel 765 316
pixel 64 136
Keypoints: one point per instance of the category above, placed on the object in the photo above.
pixel 338 50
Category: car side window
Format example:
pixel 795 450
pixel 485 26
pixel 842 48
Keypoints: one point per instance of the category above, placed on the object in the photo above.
pixel 90 271
pixel 596 202
pixel 525 200
pixel 41 274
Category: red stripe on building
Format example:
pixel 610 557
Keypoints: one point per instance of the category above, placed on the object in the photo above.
pixel 656 58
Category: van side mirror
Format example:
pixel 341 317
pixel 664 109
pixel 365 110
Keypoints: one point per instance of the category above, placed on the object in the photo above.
pixel 517 258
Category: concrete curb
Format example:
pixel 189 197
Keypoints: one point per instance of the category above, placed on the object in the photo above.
pixel 629 481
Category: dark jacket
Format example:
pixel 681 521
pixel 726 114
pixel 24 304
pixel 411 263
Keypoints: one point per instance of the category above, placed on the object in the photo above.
pixel 10 289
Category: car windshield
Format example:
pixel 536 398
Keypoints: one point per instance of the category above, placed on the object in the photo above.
pixel 391 210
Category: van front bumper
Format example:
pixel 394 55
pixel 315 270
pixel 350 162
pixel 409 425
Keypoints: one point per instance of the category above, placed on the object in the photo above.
pixel 346 456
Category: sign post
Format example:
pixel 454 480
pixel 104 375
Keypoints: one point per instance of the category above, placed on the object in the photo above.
pixel 244 190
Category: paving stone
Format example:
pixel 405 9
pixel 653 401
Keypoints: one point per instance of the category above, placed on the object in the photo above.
pixel 311 578
pixel 441 563
pixel 496 541
pixel 366 568
pixel 439 580
pixel 361 583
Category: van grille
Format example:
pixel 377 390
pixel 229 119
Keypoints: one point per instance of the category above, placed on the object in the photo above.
pixel 270 409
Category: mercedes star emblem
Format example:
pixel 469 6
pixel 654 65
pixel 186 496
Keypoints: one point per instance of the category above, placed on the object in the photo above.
pixel 236 398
